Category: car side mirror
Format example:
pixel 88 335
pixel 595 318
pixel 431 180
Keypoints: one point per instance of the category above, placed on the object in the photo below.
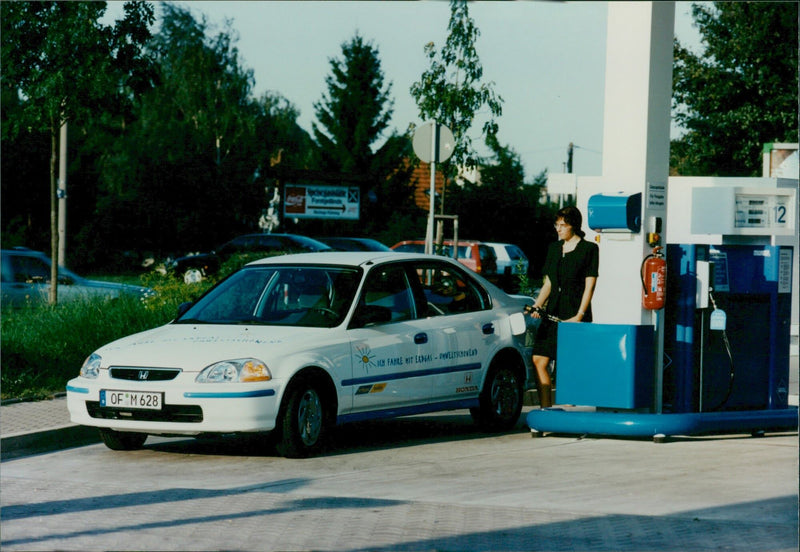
pixel 183 307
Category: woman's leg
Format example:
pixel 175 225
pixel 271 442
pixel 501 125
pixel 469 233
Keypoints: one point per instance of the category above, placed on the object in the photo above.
pixel 544 386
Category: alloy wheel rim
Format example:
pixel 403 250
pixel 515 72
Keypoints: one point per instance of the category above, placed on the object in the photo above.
pixel 309 417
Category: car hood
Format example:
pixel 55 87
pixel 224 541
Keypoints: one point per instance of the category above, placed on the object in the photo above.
pixel 193 347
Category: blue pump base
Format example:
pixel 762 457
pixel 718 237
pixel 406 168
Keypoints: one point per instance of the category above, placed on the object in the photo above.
pixel 632 424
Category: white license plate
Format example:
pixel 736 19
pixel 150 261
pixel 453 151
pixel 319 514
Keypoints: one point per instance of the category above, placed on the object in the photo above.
pixel 131 399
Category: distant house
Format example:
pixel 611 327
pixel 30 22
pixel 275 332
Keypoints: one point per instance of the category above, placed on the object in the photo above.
pixel 421 182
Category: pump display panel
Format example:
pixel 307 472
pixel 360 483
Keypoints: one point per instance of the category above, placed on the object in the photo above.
pixel 744 211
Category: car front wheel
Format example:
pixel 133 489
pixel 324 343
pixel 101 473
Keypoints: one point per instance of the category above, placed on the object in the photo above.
pixel 303 424
pixel 193 276
pixel 122 440
pixel 500 399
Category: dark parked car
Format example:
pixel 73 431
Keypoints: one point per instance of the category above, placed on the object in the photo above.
pixel 354 244
pixel 193 268
pixel 26 281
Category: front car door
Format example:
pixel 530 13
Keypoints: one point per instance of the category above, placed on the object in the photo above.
pixel 460 311
pixel 386 336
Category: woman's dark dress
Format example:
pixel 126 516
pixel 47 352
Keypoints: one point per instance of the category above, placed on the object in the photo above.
pixel 567 273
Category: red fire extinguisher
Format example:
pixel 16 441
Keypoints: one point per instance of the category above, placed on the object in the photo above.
pixel 654 280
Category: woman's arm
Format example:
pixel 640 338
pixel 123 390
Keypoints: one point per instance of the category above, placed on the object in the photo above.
pixel 586 299
pixel 544 293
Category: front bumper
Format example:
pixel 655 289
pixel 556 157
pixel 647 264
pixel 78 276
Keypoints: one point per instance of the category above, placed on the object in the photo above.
pixel 186 410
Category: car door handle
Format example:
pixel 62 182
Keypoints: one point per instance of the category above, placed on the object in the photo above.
pixel 488 329
pixel 421 338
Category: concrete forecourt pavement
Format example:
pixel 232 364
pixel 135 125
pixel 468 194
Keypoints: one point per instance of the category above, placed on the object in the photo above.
pixel 420 483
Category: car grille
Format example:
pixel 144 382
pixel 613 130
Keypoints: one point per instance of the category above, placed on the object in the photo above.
pixel 191 413
pixel 144 374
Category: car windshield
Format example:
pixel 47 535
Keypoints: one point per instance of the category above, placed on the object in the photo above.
pixel 314 296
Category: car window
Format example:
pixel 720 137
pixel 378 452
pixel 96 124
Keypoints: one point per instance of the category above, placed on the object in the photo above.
pixel 386 297
pixel 283 296
pixel 270 243
pixel 515 253
pixel 488 258
pixel 30 270
pixel 6 272
pixel 448 290
pixel 242 243
pixel 411 248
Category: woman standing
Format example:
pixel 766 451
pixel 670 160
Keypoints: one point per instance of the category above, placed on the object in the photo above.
pixel 570 275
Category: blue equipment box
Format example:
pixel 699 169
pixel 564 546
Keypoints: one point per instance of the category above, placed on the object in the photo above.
pixel 605 365
pixel 617 212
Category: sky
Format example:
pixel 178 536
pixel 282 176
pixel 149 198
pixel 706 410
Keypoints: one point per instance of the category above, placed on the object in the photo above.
pixel 546 60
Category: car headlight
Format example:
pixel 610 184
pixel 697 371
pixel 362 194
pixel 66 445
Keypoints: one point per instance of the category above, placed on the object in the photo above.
pixel 235 371
pixel 91 366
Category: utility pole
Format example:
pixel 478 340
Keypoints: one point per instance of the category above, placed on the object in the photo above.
pixel 569 158
pixel 62 196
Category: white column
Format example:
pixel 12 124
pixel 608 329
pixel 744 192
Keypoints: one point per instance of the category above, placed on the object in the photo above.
pixel 638 92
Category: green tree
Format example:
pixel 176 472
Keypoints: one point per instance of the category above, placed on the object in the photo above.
pixel 504 195
pixel 353 117
pixel 740 91
pixel 450 91
pixel 63 62
pixel 185 174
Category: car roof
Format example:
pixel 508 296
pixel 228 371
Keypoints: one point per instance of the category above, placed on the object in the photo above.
pixel 351 258
pixel 19 250
pixel 461 241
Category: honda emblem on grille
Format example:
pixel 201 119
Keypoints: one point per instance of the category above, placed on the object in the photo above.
pixel 143 374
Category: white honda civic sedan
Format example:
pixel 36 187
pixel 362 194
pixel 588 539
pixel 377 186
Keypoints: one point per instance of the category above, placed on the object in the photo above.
pixel 296 344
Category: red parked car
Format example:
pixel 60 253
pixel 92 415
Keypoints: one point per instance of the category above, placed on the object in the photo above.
pixel 475 255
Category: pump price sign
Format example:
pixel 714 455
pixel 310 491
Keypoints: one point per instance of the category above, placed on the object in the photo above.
pixel 321 202
pixel 758 210
pixel 730 210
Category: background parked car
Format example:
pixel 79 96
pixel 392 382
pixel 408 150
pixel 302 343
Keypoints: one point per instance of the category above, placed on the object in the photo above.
pixel 511 263
pixel 26 281
pixel 354 244
pixel 511 260
pixel 193 268
pixel 475 255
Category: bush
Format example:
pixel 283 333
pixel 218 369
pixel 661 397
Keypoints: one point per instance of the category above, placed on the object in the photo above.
pixel 44 347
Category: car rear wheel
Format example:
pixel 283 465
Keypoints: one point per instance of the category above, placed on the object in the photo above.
pixel 303 424
pixel 122 440
pixel 500 399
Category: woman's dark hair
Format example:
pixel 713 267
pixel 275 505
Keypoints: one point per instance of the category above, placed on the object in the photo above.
pixel 572 216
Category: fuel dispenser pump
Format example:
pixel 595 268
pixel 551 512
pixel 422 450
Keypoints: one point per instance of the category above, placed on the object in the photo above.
pixel 727 328
pixel 715 356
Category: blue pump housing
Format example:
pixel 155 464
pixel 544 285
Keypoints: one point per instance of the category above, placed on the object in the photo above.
pixel 617 212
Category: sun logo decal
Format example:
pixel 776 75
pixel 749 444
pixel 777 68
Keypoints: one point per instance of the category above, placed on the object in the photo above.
pixel 365 355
